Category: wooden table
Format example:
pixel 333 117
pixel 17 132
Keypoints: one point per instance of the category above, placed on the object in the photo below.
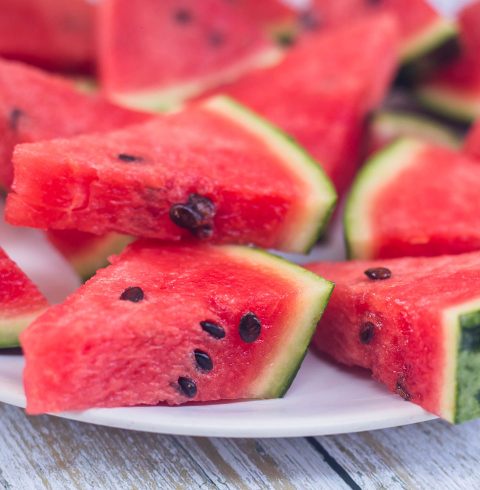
pixel 52 453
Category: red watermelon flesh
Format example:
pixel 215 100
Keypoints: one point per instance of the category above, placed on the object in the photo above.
pixel 472 141
pixel 185 323
pixel 413 199
pixel 421 27
pixel 322 90
pixel 53 33
pixel 249 184
pixel 159 53
pixel 20 301
pixel 417 330
pixel 37 106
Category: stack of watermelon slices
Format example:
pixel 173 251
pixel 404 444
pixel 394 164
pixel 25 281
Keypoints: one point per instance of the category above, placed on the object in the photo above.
pixel 256 158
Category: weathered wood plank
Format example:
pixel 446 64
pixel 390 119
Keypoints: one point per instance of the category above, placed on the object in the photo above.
pixel 430 455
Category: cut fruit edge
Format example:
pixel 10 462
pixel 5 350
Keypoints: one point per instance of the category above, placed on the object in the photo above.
pixel 377 173
pixel 433 36
pixel 449 102
pixel 170 98
pixel 460 401
pixel 11 328
pixel 306 224
pixel 299 325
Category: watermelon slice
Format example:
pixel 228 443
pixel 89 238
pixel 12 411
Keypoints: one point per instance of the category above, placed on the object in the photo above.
pixel 322 90
pixel 37 106
pixel 53 33
pixel 472 141
pixel 388 126
pixel 185 323
pixel 20 301
pixel 422 29
pixel 87 252
pixel 455 91
pixel 146 57
pixel 414 322
pixel 249 184
pixel 414 199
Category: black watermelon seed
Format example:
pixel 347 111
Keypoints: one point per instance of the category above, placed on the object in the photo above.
pixel 310 20
pixel 14 118
pixel 250 327
pixel 205 231
pixel 216 39
pixel 183 16
pixel 187 386
pixel 125 157
pixel 202 205
pixel 195 215
pixel 185 216
pixel 378 273
pixel 286 40
pixel 367 332
pixel 133 294
pixel 402 391
pixel 203 360
pixel 213 329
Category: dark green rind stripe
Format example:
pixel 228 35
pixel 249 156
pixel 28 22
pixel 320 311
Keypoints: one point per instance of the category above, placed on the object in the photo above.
pixel 467 405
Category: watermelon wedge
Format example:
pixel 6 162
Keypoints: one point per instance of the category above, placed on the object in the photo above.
pixel 37 106
pixel 414 199
pixel 185 324
pixel 322 90
pixel 454 92
pixel 388 126
pixel 472 141
pixel 249 184
pixel 87 252
pixel 51 33
pixel 422 29
pixel 20 302
pixel 146 58
pixel 413 322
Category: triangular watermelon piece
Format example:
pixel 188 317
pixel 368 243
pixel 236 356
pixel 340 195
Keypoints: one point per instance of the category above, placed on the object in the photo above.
pixel 20 301
pixel 455 90
pixel 51 33
pixel 422 28
pixel 35 106
pixel 213 172
pixel 156 54
pixel 414 199
pixel 323 89
pixel 184 324
pixel 414 322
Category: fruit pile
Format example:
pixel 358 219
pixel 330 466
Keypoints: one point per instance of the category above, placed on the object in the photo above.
pixel 205 131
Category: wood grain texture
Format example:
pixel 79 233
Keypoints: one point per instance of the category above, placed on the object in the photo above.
pixel 51 453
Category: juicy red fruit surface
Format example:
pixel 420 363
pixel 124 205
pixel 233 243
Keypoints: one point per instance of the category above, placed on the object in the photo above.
pixel 76 358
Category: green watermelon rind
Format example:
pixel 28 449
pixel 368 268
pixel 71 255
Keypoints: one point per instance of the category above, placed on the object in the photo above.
pixel 170 98
pixel 302 235
pixel 435 35
pixel 449 102
pixel 391 123
pixel 299 327
pixel 11 328
pixel 379 172
pixel 461 394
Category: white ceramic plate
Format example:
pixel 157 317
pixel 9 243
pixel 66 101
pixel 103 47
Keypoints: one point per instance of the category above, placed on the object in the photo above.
pixel 324 398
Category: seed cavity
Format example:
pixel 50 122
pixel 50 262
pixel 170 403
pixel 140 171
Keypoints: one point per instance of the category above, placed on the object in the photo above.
pixel 378 273
pixel 14 118
pixel 187 386
pixel 250 327
pixel 125 157
pixel 402 391
pixel 215 330
pixel 367 332
pixel 310 20
pixel 183 16
pixel 133 294
pixel 203 360
pixel 195 215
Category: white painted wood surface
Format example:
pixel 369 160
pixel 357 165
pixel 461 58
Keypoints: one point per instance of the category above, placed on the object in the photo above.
pixel 51 453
